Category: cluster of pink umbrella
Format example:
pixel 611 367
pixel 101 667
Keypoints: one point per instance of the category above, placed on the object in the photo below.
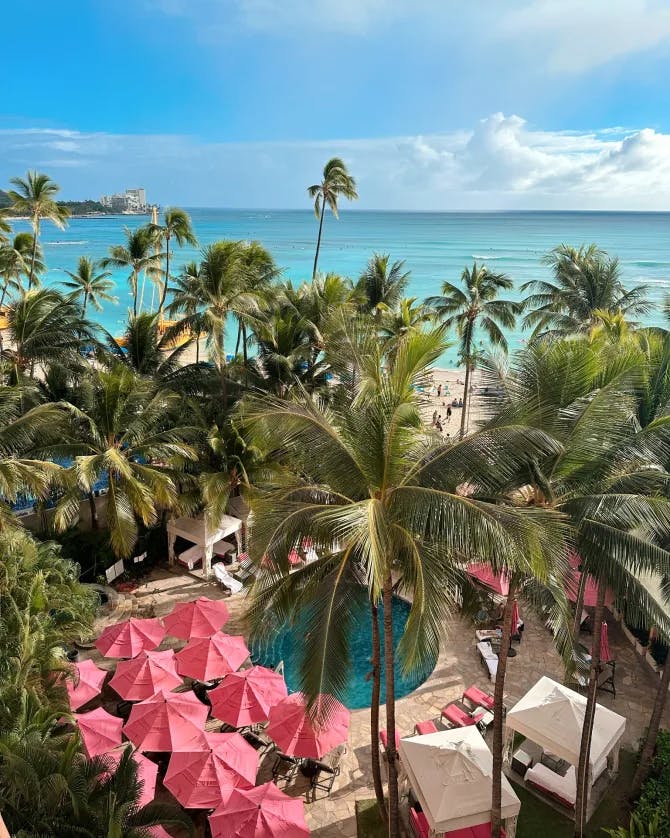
pixel 206 770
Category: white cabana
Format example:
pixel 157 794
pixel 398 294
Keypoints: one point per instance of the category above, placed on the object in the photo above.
pixel 552 716
pixel 203 537
pixel 451 774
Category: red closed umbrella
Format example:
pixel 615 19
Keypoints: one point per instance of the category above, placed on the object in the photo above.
pixel 145 675
pixel 204 778
pixel 166 722
pixel 262 812
pixel 515 617
pixel 245 698
pixel 87 684
pixel 100 731
pixel 201 617
pixel 309 734
pixel 206 658
pixel 130 637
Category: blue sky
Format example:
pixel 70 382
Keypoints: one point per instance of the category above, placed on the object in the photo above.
pixel 433 103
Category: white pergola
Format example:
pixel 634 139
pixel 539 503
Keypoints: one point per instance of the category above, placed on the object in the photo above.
pixel 197 531
pixel 451 774
pixel 552 715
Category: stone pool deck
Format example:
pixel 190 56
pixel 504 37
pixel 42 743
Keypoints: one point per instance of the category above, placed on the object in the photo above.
pixel 457 667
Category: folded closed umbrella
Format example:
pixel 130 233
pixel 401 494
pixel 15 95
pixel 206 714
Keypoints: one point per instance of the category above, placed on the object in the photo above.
pixel 308 733
pixel 166 722
pixel 204 778
pixel 515 617
pixel 200 617
pixel 245 698
pixel 206 658
pixel 262 812
pixel 86 685
pixel 145 675
pixel 130 637
pixel 100 731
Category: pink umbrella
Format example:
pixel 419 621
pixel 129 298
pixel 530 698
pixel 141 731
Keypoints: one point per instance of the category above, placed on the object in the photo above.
pixel 294 557
pixel 245 698
pixel 100 731
pixel 515 618
pixel 590 589
pixel 201 617
pixel 203 779
pixel 304 733
pixel 147 772
pixel 88 683
pixel 262 812
pixel 166 722
pixel 605 654
pixel 130 637
pixel 145 675
pixel 498 583
pixel 205 658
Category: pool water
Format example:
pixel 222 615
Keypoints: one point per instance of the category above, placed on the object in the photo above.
pixel 286 647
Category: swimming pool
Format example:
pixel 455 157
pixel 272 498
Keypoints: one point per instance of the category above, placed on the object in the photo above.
pixel 358 691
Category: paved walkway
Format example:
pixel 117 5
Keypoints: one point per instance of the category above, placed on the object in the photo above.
pixel 457 667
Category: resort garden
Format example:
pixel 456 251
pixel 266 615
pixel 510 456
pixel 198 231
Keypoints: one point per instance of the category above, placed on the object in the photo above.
pixel 317 426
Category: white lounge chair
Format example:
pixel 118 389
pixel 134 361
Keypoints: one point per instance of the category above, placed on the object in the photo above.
pixel 224 578
pixel 489 658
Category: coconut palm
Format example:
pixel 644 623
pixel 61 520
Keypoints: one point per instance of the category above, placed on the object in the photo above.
pixel 407 317
pixel 147 352
pixel 15 260
pixel 259 272
pixel 137 255
pixel 5 226
pixel 125 433
pixel 35 196
pixel 176 225
pixel 586 282
pixel 187 300
pixel 94 287
pixel 475 306
pixel 336 183
pixel 382 284
pixel 379 500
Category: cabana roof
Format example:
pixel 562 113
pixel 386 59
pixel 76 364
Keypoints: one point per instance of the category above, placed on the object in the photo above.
pixel 552 715
pixel 197 531
pixel 451 774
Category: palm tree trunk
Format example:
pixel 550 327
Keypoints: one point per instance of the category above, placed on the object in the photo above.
pixel 167 275
pixel 392 754
pixel 197 348
pixel 318 241
pixel 83 308
pixel 647 754
pixel 244 343
pixel 2 300
pixel 465 393
pixel 239 338
pixel 577 623
pixel 95 523
pixel 374 711
pixel 33 256
pixel 496 794
pixel 583 772
pixel 133 285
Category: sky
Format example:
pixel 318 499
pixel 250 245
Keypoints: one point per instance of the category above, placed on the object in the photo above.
pixel 433 104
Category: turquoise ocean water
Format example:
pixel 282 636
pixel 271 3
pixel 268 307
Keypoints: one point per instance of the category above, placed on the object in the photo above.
pixel 435 246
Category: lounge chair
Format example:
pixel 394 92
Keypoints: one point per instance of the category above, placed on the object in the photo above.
pixel 247 569
pixel 421 728
pixel 488 657
pixel 225 579
pixel 562 789
pixel 454 716
pixel 606 677
pixel 191 557
pixel 285 767
pixel 384 740
pixel 474 697
pixel 328 769
pixel 419 824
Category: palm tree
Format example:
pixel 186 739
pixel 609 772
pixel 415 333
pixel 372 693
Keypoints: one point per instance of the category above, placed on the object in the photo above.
pixel 380 502
pixel 5 226
pixel 586 282
pixel 34 196
pixel 259 271
pixel 15 258
pixel 126 433
pixel 176 225
pixel 187 300
pixel 407 317
pixel 336 182
pixel 381 285
pixel 477 305
pixel 94 286
pixel 136 255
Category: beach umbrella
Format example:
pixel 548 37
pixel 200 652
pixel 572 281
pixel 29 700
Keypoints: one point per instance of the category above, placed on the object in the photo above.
pixel 308 733
pixel 201 617
pixel 100 731
pixel 245 698
pixel 205 658
pixel 87 685
pixel 130 637
pixel 166 722
pixel 262 812
pixel 605 654
pixel 149 672
pixel 147 772
pixel 204 778
pixel 482 573
pixel 516 621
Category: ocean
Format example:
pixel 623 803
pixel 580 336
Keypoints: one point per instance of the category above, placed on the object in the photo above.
pixel 435 246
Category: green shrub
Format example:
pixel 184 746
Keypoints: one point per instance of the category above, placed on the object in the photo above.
pixel 654 802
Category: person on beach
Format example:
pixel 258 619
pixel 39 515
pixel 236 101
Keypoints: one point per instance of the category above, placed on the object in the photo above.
pixel 448 413
pixel 439 391
pixel 460 402
pixel 438 425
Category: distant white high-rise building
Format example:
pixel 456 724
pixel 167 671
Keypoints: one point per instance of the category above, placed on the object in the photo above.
pixel 132 200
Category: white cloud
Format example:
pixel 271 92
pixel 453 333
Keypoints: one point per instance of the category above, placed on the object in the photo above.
pixel 500 163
